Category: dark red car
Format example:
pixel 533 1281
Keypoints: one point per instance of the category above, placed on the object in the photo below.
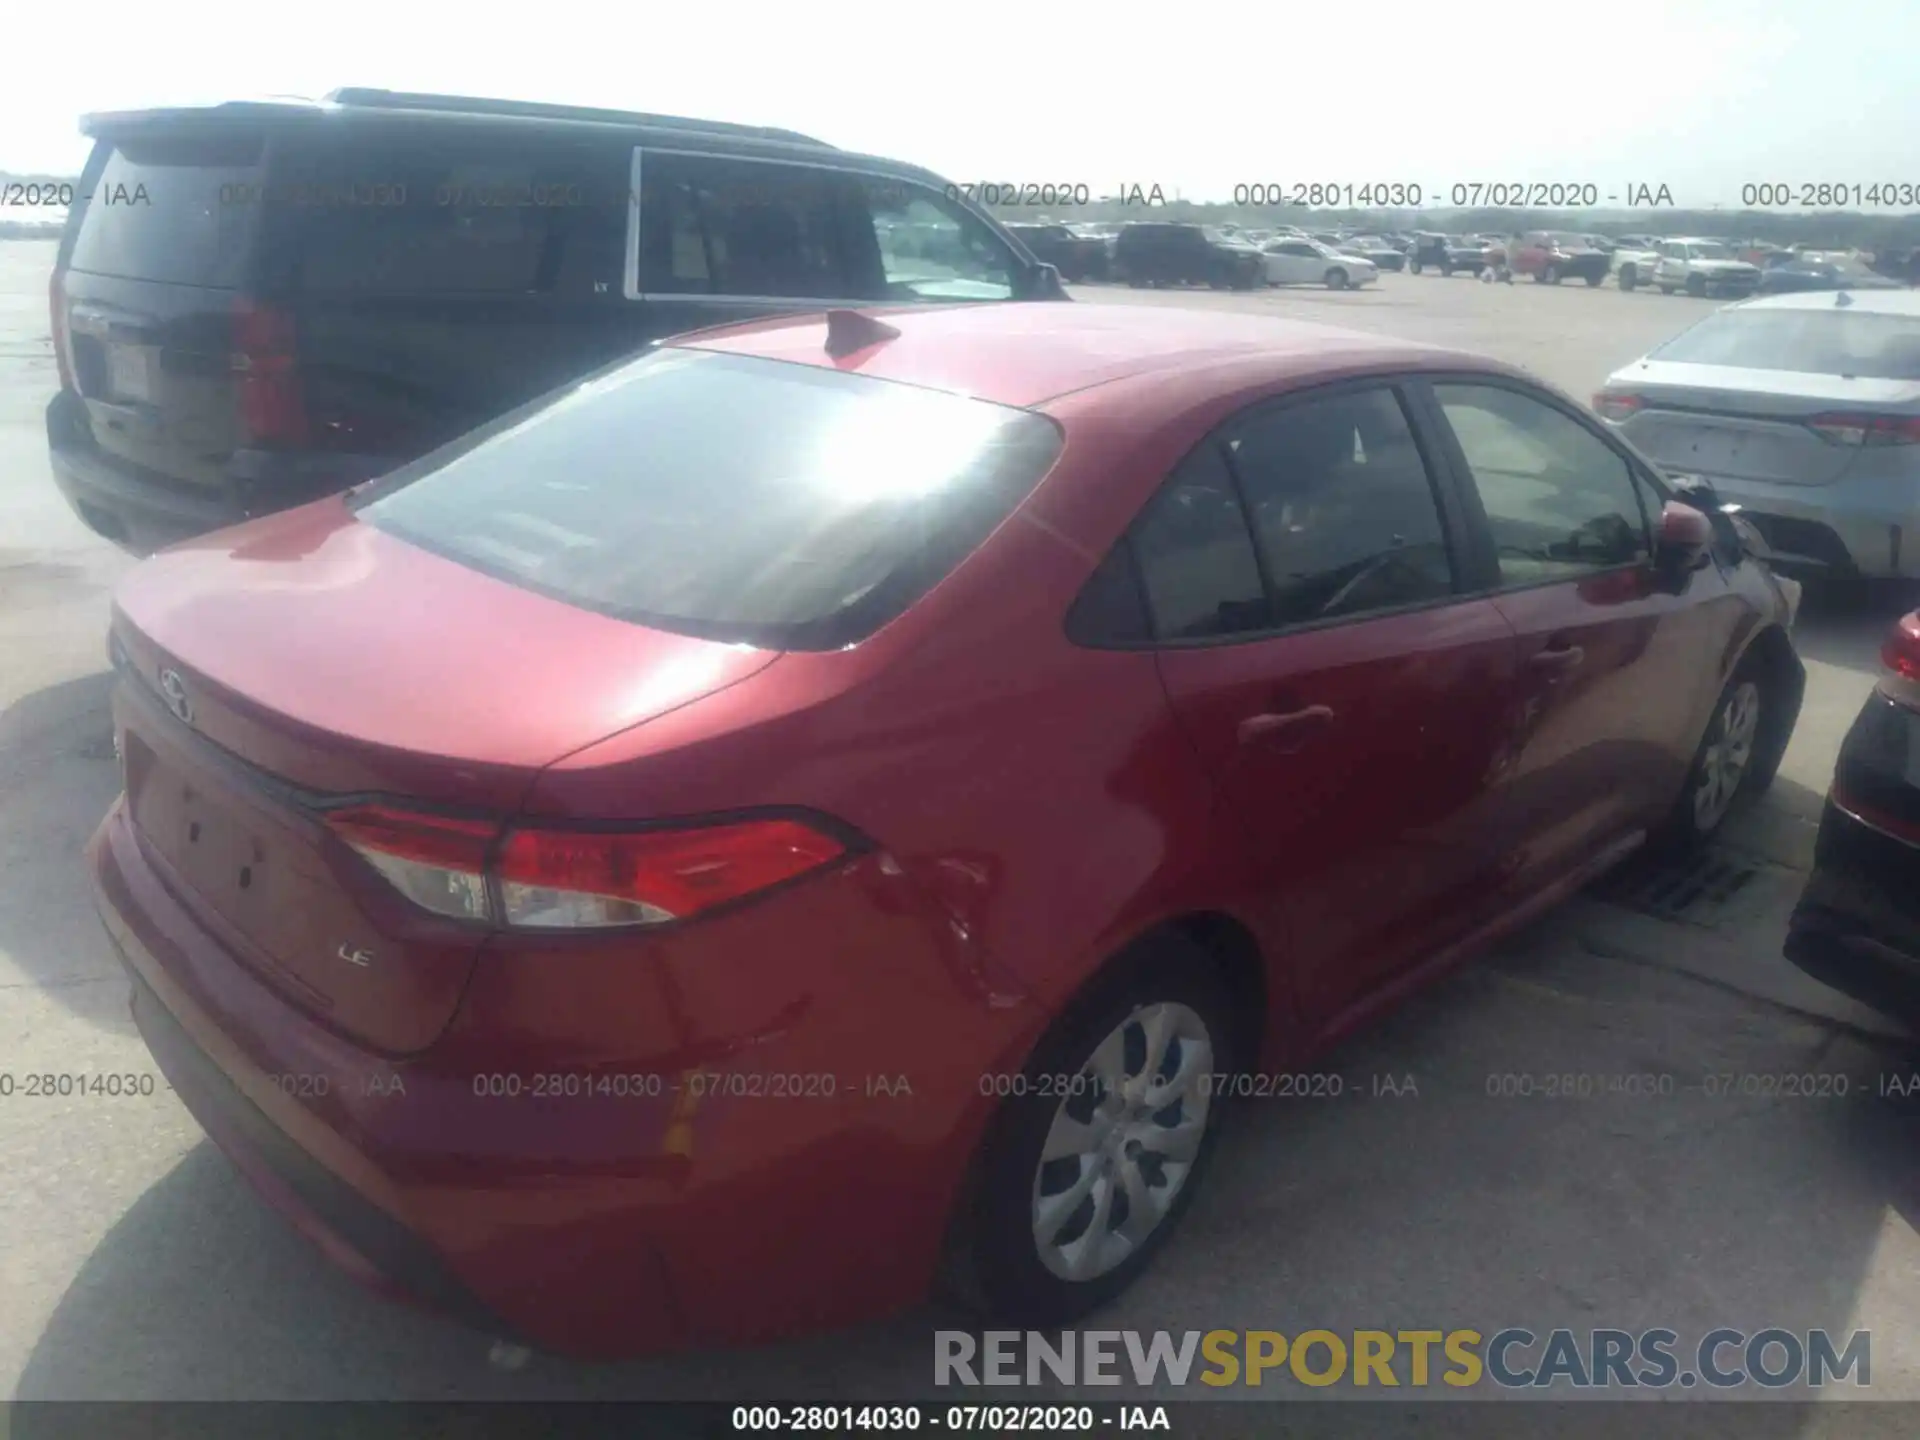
pixel 829 804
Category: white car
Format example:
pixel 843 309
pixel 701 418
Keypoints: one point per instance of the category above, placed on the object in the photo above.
pixel 1308 262
pixel 1633 266
pixel 1701 267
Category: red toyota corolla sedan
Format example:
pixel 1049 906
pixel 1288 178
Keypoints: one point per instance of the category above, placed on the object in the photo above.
pixel 837 803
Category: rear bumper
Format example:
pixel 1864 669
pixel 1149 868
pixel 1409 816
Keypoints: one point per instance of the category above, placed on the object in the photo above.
pixel 1857 926
pixel 142 511
pixel 596 1226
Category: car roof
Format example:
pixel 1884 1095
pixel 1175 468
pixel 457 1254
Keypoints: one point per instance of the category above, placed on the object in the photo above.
pixel 1878 302
pixel 358 110
pixel 1025 354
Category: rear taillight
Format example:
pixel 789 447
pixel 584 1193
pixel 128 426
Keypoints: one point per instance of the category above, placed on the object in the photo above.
pixel 62 335
pixel 1617 404
pixel 266 371
pixel 1901 652
pixel 1872 431
pixel 575 879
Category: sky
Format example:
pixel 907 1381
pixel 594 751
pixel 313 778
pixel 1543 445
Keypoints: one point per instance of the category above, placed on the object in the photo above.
pixel 1702 96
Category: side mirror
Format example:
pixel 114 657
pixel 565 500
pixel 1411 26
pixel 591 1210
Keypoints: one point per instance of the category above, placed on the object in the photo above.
pixel 1686 536
pixel 1043 283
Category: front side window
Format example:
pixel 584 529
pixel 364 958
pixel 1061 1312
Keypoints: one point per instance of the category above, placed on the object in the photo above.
pixel 638 493
pixel 932 249
pixel 1342 508
pixel 1559 501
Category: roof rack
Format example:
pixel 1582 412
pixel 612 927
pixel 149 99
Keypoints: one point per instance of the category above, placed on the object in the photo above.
pixel 360 97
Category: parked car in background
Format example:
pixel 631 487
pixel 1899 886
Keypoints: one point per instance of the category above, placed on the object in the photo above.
pixel 1308 262
pixel 1448 253
pixel 1375 250
pixel 1703 267
pixel 1159 253
pixel 1804 410
pixel 1076 257
pixel 1634 267
pixel 1551 256
pixel 1857 926
pixel 1601 243
pixel 1638 242
pixel 735 820
pixel 1821 272
pixel 321 292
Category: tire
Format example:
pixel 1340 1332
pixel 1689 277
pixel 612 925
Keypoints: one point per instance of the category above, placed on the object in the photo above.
pixel 1413 266
pixel 1446 269
pixel 1696 285
pixel 1593 279
pixel 1729 765
pixel 1000 1265
pixel 1336 279
pixel 1629 278
pixel 1667 289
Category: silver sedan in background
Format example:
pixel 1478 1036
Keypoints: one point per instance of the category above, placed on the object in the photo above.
pixel 1803 410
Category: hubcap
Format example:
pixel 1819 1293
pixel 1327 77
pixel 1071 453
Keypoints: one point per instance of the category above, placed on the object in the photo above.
pixel 1123 1143
pixel 1728 754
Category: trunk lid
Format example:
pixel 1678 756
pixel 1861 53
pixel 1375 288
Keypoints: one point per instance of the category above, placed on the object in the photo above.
pixel 1750 424
pixel 273 670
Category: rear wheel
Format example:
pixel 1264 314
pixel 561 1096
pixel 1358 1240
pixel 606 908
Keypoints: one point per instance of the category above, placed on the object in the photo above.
pixel 1628 277
pixel 1696 285
pixel 1446 268
pixel 1594 278
pixel 1666 289
pixel 1088 1167
pixel 1336 279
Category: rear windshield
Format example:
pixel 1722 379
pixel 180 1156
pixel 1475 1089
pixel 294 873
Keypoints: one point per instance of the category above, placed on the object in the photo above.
pixel 640 493
pixel 1817 342
pixel 171 209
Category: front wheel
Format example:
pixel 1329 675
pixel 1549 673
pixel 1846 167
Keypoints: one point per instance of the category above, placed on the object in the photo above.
pixel 1726 765
pixel 1696 285
pixel 1336 279
pixel 1088 1167
pixel 1628 279
pixel 1414 266
pixel 1594 278
pixel 1666 289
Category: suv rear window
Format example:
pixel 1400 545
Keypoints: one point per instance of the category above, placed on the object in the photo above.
pixel 639 494
pixel 171 209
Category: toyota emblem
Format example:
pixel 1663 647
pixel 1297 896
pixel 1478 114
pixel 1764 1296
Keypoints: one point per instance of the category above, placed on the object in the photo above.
pixel 174 691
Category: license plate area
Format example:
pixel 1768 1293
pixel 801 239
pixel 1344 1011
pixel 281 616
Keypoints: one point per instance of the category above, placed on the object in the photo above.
pixel 235 864
pixel 130 373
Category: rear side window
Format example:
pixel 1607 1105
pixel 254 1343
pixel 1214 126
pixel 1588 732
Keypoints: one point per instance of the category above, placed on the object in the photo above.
pixel 1196 554
pixel 171 209
pixel 710 225
pixel 639 494
pixel 425 218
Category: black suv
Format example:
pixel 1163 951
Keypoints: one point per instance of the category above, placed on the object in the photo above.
pixel 1447 253
pixel 259 304
pixel 1076 257
pixel 1152 252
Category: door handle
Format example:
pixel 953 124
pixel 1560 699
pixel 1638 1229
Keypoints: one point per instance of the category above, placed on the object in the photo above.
pixel 1300 722
pixel 1557 658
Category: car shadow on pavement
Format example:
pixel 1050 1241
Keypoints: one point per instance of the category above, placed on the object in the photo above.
pixel 57 779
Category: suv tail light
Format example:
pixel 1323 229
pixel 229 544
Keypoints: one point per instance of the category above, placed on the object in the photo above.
pixel 1901 653
pixel 272 410
pixel 544 879
pixel 1617 404
pixel 1870 431
pixel 62 334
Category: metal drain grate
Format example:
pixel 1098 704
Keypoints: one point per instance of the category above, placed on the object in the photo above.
pixel 1697 889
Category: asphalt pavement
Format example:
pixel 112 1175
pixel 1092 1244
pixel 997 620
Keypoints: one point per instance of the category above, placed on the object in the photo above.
pixel 136 1264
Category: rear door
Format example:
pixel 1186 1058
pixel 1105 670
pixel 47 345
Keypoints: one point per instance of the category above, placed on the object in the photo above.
pixel 1613 673
pixel 160 247
pixel 1348 701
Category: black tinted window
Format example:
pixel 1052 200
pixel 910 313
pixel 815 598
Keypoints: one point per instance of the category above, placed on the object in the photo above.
pixel 1196 554
pixel 1342 508
pixel 431 219
pixel 639 493
pixel 714 226
pixel 172 210
pixel 1559 501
